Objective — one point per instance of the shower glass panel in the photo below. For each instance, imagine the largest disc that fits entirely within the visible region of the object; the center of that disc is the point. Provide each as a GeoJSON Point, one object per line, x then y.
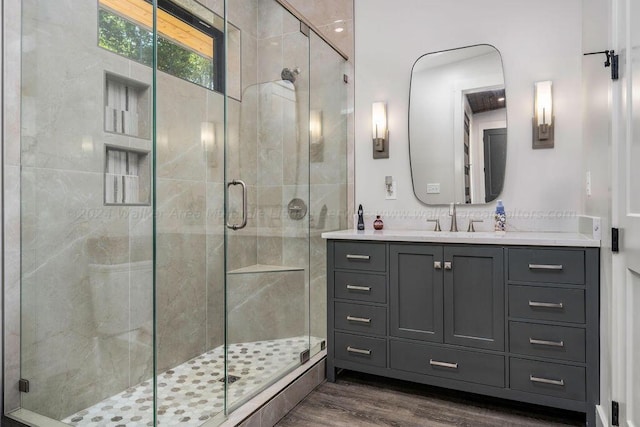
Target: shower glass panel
{"type": "Point", "coordinates": [189, 218]}
{"type": "Point", "coordinates": [328, 171]}
{"type": "Point", "coordinates": [87, 308]}
{"type": "Point", "coordinates": [267, 178]}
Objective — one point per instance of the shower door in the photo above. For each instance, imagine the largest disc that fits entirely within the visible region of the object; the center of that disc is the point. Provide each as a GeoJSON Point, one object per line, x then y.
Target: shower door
{"type": "Point", "coordinates": [267, 209]}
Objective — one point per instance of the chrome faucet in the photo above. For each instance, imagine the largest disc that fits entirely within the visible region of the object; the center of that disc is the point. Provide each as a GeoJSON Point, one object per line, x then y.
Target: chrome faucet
{"type": "Point", "coordinates": [471, 228]}
{"type": "Point", "coordinates": [452, 214]}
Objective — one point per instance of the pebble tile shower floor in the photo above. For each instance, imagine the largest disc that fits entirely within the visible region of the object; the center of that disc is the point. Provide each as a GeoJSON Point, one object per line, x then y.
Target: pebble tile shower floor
{"type": "Point", "coordinates": [192, 393]}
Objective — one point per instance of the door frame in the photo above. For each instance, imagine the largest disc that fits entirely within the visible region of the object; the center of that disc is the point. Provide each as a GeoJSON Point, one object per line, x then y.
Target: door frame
{"type": "Point", "coordinates": [625, 263]}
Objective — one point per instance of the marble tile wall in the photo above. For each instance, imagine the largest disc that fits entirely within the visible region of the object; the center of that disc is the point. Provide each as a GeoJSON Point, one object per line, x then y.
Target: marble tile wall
{"type": "Point", "coordinates": [266, 305]}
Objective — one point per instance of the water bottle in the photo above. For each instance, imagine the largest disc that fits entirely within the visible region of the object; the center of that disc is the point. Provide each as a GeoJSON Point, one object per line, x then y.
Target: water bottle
{"type": "Point", "coordinates": [500, 217]}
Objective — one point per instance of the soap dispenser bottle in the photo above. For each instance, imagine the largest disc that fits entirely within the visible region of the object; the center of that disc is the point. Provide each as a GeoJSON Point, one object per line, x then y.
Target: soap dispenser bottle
{"type": "Point", "coordinates": [360, 218]}
{"type": "Point", "coordinates": [500, 218]}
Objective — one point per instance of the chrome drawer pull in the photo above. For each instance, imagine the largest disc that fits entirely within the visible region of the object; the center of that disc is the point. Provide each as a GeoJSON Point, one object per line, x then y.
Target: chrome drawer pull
{"type": "Point", "coordinates": [359, 288]}
{"type": "Point", "coordinates": [549, 343]}
{"type": "Point", "coordinates": [358, 319]}
{"type": "Point", "coordinates": [448, 265]}
{"type": "Point", "coordinates": [443, 364]}
{"type": "Point", "coordinates": [437, 265]}
{"type": "Point", "coordinates": [363, 257]}
{"type": "Point", "coordinates": [358, 351]}
{"type": "Point", "coordinates": [546, 304]}
{"type": "Point", "coordinates": [546, 381]}
{"type": "Point", "coordinates": [545, 266]}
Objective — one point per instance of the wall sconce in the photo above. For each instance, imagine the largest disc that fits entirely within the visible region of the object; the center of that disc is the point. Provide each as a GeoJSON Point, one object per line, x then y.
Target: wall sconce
{"type": "Point", "coordinates": [316, 140]}
{"type": "Point", "coordinates": [380, 130]}
{"type": "Point", "coordinates": [208, 140]}
{"type": "Point", "coordinates": [87, 144]}
{"type": "Point", "coordinates": [543, 115]}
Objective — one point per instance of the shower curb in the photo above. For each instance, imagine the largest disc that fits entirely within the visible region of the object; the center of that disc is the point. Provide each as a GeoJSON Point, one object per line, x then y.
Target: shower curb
{"type": "Point", "coordinates": [270, 406]}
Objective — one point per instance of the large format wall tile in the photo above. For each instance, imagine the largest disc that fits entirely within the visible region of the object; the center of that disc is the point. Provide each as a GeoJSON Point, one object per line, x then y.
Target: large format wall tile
{"type": "Point", "coordinates": [181, 111]}
{"type": "Point", "coordinates": [244, 15]}
{"type": "Point", "coordinates": [266, 305]}
{"type": "Point", "coordinates": [181, 297]}
{"type": "Point", "coordinates": [62, 123]}
{"type": "Point", "coordinates": [249, 61]}
{"type": "Point", "coordinates": [215, 274]}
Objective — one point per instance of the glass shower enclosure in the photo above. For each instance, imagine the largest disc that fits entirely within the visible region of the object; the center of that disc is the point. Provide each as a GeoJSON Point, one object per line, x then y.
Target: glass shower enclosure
{"type": "Point", "coordinates": [179, 161]}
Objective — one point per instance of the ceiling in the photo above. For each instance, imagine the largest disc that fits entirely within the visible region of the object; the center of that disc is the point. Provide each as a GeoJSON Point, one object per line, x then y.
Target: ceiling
{"type": "Point", "coordinates": [489, 100]}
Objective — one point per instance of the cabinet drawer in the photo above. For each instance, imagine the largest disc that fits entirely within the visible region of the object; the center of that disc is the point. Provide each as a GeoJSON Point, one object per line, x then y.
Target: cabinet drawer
{"type": "Point", "coordinates": [552, 379]}
{"type": "Point", "coordinates": [360, 256]}
{"type": "Point", "coordinates": [455, 364]}
{"type": "Point", "coordinates": [535, 302]}
{"type": "Point", "coordinates": [360, 318]}
{"type": "Point", "coordinates": [360, 287]}
{"type": "Point", "coordinates": [557, 342]}
{"type": "Point", "coordinates": [365, 350]}
{"type": "Point", "coordinates": [547, 265]}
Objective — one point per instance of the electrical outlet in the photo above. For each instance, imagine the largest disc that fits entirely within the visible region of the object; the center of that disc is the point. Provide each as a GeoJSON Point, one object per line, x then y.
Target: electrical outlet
{"type": "Point", "coordinates": [392, 193]}
{"type": "Point", "coordinates": [433, 188]}
{"type": "Point", "coordinates": [588, 189]}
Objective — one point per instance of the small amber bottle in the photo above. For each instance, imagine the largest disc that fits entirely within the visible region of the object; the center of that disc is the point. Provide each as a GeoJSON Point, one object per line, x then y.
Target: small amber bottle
{"type": "Point", "coordinates": [378, 224]}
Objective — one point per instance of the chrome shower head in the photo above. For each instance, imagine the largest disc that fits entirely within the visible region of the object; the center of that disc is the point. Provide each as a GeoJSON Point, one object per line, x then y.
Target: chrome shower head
{"type": "Point", "coordinates": [290, 74]}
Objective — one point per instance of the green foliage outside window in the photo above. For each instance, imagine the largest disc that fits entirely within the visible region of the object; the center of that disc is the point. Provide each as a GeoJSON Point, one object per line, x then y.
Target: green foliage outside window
{"type": "Point", "coordinates": [132, 41]}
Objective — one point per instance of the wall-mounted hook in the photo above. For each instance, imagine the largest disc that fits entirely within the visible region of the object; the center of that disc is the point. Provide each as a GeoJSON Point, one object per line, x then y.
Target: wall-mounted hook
{"type": "Point", "coordinates": [611, 61]}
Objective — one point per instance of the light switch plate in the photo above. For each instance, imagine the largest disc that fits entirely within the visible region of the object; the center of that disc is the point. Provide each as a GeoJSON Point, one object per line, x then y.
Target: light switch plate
{"type": "Point", "coordinates": [588, 182]}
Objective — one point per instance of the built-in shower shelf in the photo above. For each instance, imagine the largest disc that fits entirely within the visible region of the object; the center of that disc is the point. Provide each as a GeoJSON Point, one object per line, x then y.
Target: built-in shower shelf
{"type": "Point", "coordinates": [263, 268]}
{"type": "Point", "coordinates": [127, 178]}
{"type": "Point", "coordinates": [126, 106]}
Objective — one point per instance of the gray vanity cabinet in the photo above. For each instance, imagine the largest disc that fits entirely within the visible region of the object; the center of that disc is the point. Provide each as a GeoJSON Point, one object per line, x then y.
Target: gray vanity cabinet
{"type": "Point", "coordinates": [452, 294]}
{"type": "Point", "coordinates": [474, 296]}
{"type": "Point", "coordinates": [514, 322]}
{"type": "Point", "coordinates": [416, 293]}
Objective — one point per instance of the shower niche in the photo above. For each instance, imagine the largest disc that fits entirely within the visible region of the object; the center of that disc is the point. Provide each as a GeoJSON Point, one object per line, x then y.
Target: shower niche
{"type": "Point", "coordinates": [126, 176]}
{"type": "Point", "coordinates": [126, 106]}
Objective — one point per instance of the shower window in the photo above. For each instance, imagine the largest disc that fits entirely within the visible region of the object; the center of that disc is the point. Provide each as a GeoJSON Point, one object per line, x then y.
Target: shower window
{"type": "Point", "coordinates": [188, 47]}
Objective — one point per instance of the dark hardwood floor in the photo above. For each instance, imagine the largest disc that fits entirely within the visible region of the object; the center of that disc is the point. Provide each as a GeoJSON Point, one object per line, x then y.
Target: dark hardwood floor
{"type": "Point", "coordinates": [366, 400]}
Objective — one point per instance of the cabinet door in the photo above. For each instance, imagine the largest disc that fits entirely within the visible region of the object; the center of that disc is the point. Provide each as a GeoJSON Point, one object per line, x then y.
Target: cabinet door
{"type": "Point", "coordinates": [474, 297]}
{"type": "Point", "coordinates": [416, 292]}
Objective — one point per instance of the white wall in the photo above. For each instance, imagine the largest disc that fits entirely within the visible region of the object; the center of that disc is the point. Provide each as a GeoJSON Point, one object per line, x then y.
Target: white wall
{"type": "Point", "coordinates": [538, 41]}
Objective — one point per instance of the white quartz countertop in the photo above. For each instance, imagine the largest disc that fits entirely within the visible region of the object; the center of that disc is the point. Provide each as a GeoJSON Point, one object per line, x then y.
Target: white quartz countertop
{"type": "Point", "coordinates": [533, 238]}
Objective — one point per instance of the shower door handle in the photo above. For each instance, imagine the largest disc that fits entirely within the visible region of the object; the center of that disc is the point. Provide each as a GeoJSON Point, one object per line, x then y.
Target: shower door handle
{"type": "Point", "coordinates": [243, 224]}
